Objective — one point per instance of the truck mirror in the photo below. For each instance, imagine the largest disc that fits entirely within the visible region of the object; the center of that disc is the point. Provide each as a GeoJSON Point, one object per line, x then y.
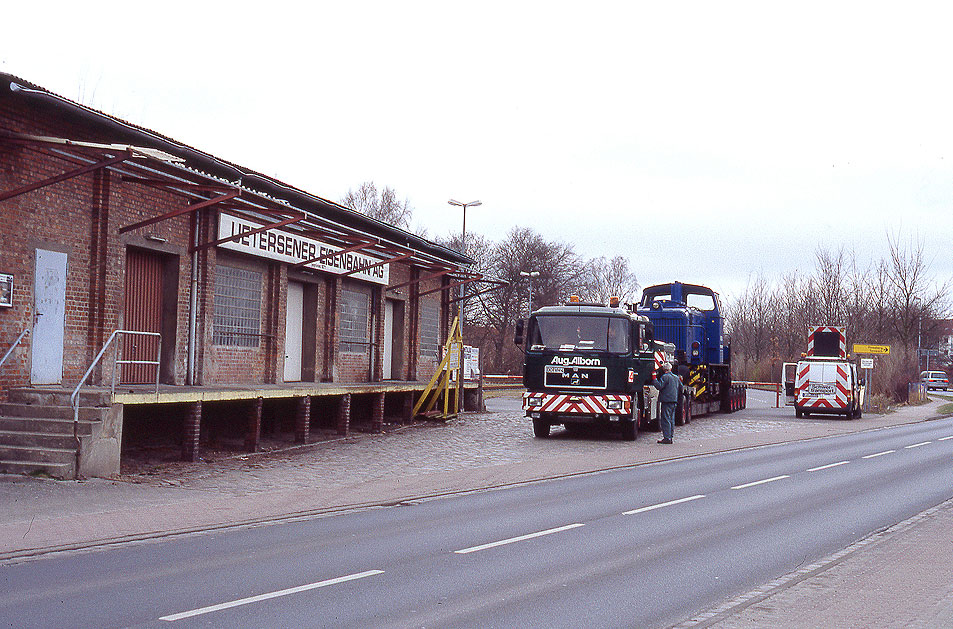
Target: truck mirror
{"type": "Point", "coordinates": [520, 325]}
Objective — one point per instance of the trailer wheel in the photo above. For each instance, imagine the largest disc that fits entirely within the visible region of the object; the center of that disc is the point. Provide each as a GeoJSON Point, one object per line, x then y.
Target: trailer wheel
{"type": "Point", "coordinates": [541, 428]}
{"type": "Point", "coordinates": [680, 412]}
{"type": "Point", "coordinates": [688, 410]}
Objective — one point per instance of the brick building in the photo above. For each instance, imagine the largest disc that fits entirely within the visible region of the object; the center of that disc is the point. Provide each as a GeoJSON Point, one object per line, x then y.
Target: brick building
{"type": "Point", "coordinates": [223, 281]}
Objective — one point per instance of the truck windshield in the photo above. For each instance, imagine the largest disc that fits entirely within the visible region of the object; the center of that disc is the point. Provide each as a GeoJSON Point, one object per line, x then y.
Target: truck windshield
{"type": "Point", "coordinates": [570, 332]}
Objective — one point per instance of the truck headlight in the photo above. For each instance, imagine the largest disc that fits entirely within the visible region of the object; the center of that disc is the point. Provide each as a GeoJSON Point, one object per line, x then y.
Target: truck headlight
{"type": "Point", "coordinates": [535, 401]}
{"type": "Point", "coordinates": [614, 405]}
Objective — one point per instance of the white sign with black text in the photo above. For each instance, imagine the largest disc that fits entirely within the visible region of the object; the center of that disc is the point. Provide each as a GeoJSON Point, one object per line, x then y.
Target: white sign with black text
{"type": "Point", "coordinates": [294, 248]}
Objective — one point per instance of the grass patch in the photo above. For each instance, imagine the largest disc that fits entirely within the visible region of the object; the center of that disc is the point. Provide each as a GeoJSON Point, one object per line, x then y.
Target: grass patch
{"type": "Point", "coordinates": [946, 409]}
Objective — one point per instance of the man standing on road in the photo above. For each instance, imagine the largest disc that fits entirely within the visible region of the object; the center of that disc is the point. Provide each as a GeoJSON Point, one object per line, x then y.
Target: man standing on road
{"type": "Point", "coordinates": [669, 387]}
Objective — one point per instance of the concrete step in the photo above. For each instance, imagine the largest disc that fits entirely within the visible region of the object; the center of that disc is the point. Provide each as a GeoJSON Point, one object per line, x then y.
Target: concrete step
{"type": "Point", "coordinates": [37, 439]}
{"type": "Point", "coordinates": [19, 409]}
{"type": "Point", "coordinates": [56, 470]}
{"type": "Point", "coordinates": [45, 425]}
{"type": "Point", "coordinates": [37, 454]}
{"type": "Point", "coordinates": [58, 396]}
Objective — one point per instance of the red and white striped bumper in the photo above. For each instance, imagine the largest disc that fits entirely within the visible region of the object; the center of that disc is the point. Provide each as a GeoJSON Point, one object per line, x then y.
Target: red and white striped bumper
{"type": "Point", "coordinates": [567, 403]}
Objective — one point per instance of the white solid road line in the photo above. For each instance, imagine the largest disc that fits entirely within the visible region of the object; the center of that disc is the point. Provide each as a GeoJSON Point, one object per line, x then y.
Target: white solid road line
{"type": "Point", "coordinates": [873, 456]}
{"type": "Point", "coordinates": [511, 540]}
{"type": "Point", "coordinates": [761, 482]}
{"type": "Point", "coordinates": [264, 597]}
{"type": "Point", "coordinates": [664, 504]}
{"type": "Point", "coordinates": [830, 465]}
{"type": "Point", "coordinates": [917, 445]}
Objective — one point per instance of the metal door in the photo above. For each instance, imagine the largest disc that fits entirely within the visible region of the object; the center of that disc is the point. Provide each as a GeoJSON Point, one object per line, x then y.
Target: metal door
{"type": "Point", "coordinates": [788, 377]}
{"type": "Point", "coordinates": [49, 318]}
{"type": "Point", "coordinates": [143, 313]}
{"type": "Point", "coordinates": [388, 339]}
{"type": "Point", "coordinates": [294, 316]}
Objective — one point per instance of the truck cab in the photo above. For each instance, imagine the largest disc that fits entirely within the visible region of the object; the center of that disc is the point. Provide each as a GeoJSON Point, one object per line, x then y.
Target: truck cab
{"type": "Point", "coordinates": [586, 363]}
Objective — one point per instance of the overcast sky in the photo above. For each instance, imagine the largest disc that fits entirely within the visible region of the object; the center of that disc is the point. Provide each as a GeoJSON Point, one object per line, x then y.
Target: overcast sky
{"type": "Point", "coordinates": [705, 141]}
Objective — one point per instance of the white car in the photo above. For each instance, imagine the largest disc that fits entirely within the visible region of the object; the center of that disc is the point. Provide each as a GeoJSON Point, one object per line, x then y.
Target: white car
{"type": "Point", "coordinates": [935, 380]}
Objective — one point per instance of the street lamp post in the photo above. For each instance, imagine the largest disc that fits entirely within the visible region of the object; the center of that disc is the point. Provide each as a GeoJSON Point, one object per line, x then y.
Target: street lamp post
{"type": "Point", "coordinates": [463, 248]}
{"type": "Point", "coordinates": [916, 302]}
{"type": "Point", "coordinates": [530, 275]}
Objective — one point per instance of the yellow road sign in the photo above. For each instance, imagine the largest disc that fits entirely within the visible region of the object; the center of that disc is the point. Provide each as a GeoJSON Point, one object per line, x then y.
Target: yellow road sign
{"type": "Point", "coordinates": [871, 349]}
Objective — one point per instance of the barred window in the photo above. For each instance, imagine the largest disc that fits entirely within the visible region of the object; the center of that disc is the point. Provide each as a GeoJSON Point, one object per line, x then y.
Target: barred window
{"type": "Point", "coordinates": [429, 329]}
{"type": "Point", "coordinates": [237, 307]}
{"type": "Point", "coordinates": [352, 321]}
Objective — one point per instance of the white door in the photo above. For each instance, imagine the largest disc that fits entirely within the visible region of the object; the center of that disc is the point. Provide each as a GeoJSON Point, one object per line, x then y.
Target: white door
{"type": "Point", "coordinates": [294, 315]}
{"type": "Point", "coordinates": [49, 318]}
{"type": "Point", "coordinates": [388, 339]}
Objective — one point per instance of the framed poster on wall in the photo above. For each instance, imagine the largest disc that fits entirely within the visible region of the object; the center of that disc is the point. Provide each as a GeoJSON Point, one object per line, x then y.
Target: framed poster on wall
{"type": "Point", "coordinates": [6, 290]}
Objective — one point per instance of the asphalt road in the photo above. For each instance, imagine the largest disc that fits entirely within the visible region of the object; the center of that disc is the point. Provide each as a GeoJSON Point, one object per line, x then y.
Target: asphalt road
{"type": "Point", "coordinates": [644, 546]}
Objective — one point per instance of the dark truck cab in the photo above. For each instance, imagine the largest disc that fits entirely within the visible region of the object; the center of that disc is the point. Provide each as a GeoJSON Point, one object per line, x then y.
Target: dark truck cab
{"type": "Point", "coordinates": [587, 363]}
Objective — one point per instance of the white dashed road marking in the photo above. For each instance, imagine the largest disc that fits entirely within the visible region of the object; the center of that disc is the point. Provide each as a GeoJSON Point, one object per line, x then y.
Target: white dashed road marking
{"type": "Point", "coordinates": [917, 445]}
{"type": "Point", "coordinates": [664, 504]}
{"type": "Point", "coordinates": [761, 482]}
{"type": "Point", "coordinates": [872, 456]}
{"type": "Point", "coordinates": [270, 595]}
{"type": "Point", "coordinates": [828, 466]}
{"type": "Point", "coordinates": [511, 540]}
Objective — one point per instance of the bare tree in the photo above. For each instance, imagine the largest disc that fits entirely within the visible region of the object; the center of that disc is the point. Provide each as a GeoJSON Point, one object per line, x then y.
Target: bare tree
{"type": "Point", "coordinates": [608, 278]}
{"type": "Point", "coordinates": [560, 272]}
{"type": "Point", "coordinates": [385, 206]}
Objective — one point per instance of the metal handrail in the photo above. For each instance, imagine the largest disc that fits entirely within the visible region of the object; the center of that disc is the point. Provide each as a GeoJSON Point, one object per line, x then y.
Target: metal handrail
{"type": "Point", "coordinates": [12, 347]}
{"type": "Point", "coordinates": [74, 398]}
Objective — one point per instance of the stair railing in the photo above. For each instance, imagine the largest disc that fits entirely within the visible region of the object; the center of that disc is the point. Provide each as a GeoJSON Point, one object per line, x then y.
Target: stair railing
{"type": "Point", "coordinates": [74, 398]}
{"type": "Point", "coordinates": [13, 347]}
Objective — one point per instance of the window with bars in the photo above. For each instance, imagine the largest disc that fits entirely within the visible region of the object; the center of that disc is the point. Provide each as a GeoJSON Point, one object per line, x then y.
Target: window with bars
{"type": "Point", "coordinates": [237, 307]}
{"type": "Point", "coordinates": [353, 321]}
{"type": "Point", "coordinates": [430, 329]}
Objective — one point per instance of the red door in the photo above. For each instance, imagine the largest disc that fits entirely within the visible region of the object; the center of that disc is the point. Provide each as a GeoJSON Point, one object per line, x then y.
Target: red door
{"type": "Point", "coordinates": [143, 313]}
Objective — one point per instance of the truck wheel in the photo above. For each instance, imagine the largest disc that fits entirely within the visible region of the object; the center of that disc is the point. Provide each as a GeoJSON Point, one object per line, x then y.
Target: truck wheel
{"type": "Point", "coordinates": [629, 429]}
{"type": "Point", "coordinates": [798, 412]}
{"type": "Point", "coordinates": [688, 411]}
{"type": "Point", "coordinates": [680, 413]}
{"type": "Point", "coordinates": [541, 428]}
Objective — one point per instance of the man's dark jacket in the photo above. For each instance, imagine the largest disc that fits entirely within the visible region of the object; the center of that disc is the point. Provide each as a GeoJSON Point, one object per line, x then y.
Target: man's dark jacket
{"type": "Point", "coordinates": [669, 387]}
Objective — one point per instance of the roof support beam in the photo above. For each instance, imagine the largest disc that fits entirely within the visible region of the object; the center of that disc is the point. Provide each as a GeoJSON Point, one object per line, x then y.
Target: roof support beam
{"type": "Point", "coordinates": [421, 279]}
{"type": "Point", "coordinates": [363, 245]}
{"type": "Point", "coordinates": [381, 263]}
{"type": "Point", "coordinates": [191, 208]}
{"type": "Point", "coordinates": [9, 194]}
{"type": "Point", "coordinates": [477, 294]}
{"type": "Point", "coordinates": [293, 219]}
{"type": "Point", "coordinates": [452, 285]}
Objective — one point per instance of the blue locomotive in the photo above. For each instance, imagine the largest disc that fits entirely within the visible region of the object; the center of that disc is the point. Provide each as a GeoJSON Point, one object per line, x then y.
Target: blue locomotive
{"type": "Point", "coordinates": [691, 318]}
